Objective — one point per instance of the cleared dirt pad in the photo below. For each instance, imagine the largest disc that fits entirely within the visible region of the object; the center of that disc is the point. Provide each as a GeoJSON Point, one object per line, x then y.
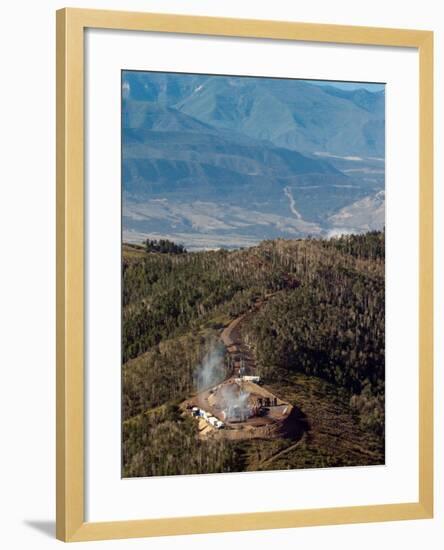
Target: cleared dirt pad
{"type": "Point", "coordinates": [265, 421]}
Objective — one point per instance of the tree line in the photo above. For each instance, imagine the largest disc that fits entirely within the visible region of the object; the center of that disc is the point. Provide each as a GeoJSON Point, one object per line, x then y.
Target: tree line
{"type": "Point", "coordinates": [164, 246]}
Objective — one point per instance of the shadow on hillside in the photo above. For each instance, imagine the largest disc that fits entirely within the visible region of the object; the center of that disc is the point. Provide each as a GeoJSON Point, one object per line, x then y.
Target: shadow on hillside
{"type": "Point", "coordinates": [295, 425]}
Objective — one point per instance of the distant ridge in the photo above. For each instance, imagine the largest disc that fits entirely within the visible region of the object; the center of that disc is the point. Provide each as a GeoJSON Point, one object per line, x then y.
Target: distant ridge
{"type": "Point", "coordinates": [232, 160]}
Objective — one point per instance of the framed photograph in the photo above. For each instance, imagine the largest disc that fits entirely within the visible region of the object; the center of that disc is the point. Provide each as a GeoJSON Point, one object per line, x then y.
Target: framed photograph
{"type": "Point", "coordinates": [244, 274]}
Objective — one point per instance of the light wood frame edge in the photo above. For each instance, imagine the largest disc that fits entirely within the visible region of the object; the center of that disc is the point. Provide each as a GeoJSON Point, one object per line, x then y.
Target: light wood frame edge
{"type": "Point", "coordinates": [70, 285]}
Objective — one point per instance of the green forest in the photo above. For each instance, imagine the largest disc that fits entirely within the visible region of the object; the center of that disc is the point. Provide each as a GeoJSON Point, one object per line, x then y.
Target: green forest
{"type": "Point", "coordinates": [318, 339]}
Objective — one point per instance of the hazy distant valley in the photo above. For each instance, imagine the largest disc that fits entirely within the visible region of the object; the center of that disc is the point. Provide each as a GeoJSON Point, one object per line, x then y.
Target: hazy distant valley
{"type": "Point", "coordinates": [227, 162]}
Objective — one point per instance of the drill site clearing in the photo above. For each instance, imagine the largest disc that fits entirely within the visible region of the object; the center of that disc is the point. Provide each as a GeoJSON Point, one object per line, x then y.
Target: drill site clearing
{"type": "Point", "coordinates": [239, 408]}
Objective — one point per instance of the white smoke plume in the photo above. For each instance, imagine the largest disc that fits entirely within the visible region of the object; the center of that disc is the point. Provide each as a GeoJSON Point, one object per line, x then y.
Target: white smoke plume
{"type": "Point", "coordinates": [234, 396]}
{"type": "Point", "coordinates": [212, 369]}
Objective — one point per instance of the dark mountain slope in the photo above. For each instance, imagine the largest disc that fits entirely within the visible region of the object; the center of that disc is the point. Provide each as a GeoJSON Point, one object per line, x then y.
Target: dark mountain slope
{"type": "Point", "coordinates": [290, 113]}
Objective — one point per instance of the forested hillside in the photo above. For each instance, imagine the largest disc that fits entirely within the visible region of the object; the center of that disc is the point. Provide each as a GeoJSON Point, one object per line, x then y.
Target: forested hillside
{"type": "Point", "coordinates": [319, 329]}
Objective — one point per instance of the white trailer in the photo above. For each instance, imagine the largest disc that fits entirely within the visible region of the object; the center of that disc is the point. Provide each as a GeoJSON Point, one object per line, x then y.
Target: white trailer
{"type": "Point", "coordinates": [212, 420]}
{"type": "Point", "coordinates": [208, 417]}
{"type": "Point", "coordinates": [255, 379]}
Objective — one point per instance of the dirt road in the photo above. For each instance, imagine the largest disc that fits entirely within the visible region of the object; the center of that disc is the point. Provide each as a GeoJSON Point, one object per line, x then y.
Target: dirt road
{"type": "Point", "coordinates": [242, 357]}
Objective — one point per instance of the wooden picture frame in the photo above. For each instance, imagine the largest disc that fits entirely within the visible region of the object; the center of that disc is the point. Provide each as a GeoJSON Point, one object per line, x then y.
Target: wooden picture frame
{"type": "Point", "coordinates": [71, 24]}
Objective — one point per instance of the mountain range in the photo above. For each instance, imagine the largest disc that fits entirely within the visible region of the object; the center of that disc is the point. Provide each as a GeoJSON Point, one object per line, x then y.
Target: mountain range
{"type": "Point", "coordinates": [219, 161]}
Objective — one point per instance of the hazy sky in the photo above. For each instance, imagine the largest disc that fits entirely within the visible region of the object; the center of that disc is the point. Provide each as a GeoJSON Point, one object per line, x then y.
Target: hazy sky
{"type": "Point", "coordinates": [350, 85]}
{"type": "Point", "coordinates": [342, 85]}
